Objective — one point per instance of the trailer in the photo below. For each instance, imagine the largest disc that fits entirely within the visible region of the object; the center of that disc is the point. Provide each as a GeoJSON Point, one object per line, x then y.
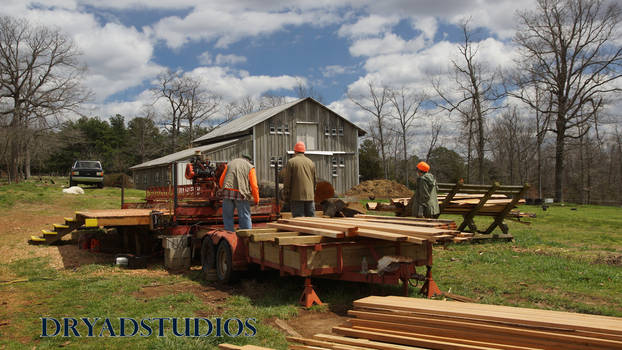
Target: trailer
{"type": "Point", "coordinates": [195, 212]}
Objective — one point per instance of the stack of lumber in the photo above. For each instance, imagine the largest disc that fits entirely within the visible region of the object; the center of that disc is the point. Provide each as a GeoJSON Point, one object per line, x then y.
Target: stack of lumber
{"type": "Point", "coordinates": [401, 323]}
{"type": "Point", "coordinates": [459, 204]}
{"type": "Point", "coordinates": [414, 231]}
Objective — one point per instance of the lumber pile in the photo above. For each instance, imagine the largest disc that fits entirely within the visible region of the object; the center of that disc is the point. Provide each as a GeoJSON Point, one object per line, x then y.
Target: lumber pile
{"type": "Point", "coordinates": [459, 204]}
{"type": "Point", "coordinates": [389, 229]}
{"type": "Point", "coordinates": [403, 323]}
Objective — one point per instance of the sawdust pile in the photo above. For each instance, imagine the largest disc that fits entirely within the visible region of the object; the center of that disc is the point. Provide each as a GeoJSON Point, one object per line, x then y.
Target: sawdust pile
{"type": "Point", "coordinates": [379, 189]}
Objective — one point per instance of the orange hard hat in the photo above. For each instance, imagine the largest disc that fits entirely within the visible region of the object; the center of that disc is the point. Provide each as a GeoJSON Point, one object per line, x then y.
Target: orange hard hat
{"type": "Point", "coordinates": [423, 166]}
{"type": "Point", "coordinates": [300, 147]}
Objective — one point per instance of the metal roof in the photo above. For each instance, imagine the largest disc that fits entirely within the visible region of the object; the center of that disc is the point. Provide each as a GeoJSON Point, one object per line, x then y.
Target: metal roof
{"type": "Point", "coordinates": [246, 122]}
{"type": "Point", "coordinates": [181, 155]}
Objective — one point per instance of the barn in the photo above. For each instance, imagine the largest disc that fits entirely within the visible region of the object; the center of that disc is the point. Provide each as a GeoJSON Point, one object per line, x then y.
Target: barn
{"type": "Point", "coordinates": [269, 137]}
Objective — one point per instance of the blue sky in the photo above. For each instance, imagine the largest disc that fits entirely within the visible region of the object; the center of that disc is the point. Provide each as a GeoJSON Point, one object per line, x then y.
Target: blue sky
{"type": "Point", "coordinates": [249, 48]}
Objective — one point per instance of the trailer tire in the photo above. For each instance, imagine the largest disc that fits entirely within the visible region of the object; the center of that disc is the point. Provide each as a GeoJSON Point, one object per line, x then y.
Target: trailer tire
{"type": "Point", "coordinates": [208, 259]}
{"type": "Point", "coordinates": [224, 262]}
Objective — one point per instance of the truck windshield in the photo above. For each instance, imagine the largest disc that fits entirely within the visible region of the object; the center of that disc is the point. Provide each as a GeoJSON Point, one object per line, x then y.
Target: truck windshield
{"type": "Point", "coordinates": [90, 165]}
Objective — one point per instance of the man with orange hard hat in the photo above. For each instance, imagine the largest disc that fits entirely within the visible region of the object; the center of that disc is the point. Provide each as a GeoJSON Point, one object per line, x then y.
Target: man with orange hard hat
{"type": "Point", "coordinates": [425, 201]}
{"type": "Point", "coordinates": [299, 182]}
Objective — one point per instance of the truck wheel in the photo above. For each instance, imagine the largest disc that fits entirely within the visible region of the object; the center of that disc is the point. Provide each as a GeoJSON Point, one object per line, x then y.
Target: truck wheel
{"type": "Point", "coordinates": [208, 259]}
{"type": "Point", "coordinates": [100, 185]}
{"type": "Point", "coordinates": [224, 262]}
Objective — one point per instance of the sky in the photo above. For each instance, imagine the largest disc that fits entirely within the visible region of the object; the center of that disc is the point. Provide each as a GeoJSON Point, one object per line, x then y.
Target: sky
{"type": "Point", "coordinates": [249, 48]}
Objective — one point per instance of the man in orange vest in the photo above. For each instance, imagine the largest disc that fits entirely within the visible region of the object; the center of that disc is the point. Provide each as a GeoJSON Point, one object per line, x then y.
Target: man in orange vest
{"type": "Point", "coordinates": [239, 184]}
{"type": "Point", "coordinates": [299, 183]}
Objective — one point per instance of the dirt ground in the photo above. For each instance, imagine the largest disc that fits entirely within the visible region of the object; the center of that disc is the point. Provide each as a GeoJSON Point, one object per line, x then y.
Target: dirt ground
{"type": "Point", "coordinates": [22, 222]}
{"type": "Point", "coordinates": [379, 189]}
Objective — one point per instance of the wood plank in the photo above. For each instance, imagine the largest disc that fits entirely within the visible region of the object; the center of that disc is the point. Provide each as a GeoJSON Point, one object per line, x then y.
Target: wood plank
{"type": "Point", "coordinates": [349, 229]}
{"type": "Point", "coordinates": [379, 335]}
{"type": "Point", "coordinates": [387, 236]}
{"type": "Point", "coordinates": [520, 316]}
{"type": "Point", "coordinates": [393, 228]}
{"type": "Point", "coordinates": [323, 343]}
{"type": "Point", "coordinates": [309, 230]}
{"type": "Point", "coordinates": [270, 236]}
{"type": "Point", "coordinates": [247, 232]}
{"type": "Point", "coordinates": [509, 340]}
{"type": "Point", "coordinates": [365, 343]}
{"type": "Point", "coordinates": [306, 239]}
{"type": "Point", "coordinates": [571, 340]}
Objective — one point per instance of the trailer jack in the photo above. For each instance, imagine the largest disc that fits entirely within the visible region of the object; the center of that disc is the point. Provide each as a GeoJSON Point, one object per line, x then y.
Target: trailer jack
{"type": "Point", "coordinates": [308, 297]}
{"type": "Point", "coordinates": [430, 288]}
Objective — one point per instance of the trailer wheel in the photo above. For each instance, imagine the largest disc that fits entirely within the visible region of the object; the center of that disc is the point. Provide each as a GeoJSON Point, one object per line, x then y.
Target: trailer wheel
{"type": "Point", "coordinates": [208, 258]}
{"type": "Point", "coordinates": [224, 262]}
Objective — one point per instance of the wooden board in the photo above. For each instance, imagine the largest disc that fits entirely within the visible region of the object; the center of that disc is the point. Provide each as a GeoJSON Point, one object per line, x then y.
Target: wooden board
{"type": "Point", "coordinates": [301, 240]}
{"type": "Point", "coordinates": [309, 230]}
{"type": "Point", "coordinates": [270, 236]}
{"type": "Point", "coordinates": [534, 317]}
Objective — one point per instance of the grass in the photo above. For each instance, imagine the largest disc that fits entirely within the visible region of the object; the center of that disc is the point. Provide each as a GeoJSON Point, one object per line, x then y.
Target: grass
{"type": "Point", "coordinates": [568, 260]}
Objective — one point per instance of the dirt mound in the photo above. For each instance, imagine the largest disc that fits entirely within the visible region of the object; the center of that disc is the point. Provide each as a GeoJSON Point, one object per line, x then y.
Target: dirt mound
{"type": "Point", "coordinates": [379, 189]}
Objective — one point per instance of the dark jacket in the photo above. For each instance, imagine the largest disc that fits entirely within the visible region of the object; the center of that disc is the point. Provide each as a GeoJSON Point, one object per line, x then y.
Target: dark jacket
{"type": "Point", "coordinates": [425, 199]}
{"type": "Point", "coordinates": [299, 180]}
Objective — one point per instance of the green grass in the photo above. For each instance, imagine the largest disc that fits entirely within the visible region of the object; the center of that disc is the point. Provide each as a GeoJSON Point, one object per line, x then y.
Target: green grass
{"type": "Point", "coordinates": [568, 260]}
{"type": "Point", "coordinates": [34, 192]}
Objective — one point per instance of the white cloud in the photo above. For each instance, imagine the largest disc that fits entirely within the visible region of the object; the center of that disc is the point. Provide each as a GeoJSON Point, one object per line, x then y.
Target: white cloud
{"type": "Point", "coordinates": [372, 25]}
{"type": "Point", "coordinates": [235, 85]}
{"type": "Point", "coordinates": [118, 58]}
{"type": "Point", "coordinates": [335, 70]}
{"type": "Point", "coordinates": [223, 60]}
{"type": "Point", "coordinates": [390, 43]}
{"type": "Point", "coordinates": [205, 58]}
{"type": "Point", "coordinates": [427, 25]}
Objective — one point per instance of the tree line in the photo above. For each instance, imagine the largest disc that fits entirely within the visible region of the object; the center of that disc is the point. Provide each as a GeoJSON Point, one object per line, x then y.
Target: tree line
{"type": "Point", "coordinates": [545, 120]}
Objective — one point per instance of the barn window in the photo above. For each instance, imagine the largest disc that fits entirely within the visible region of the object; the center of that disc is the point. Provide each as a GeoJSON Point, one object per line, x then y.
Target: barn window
{"type": "Point", "coordinates": [327, 130]}
{"type": "Point", "coordinates": [341, 131]}
{"type": "Point", "coordinates": [272, 128]}
{"type": "Point", "coordinates": [279, 129]}
{"type": "Point", "coordinates": [335, 172]}
{"type": "Point", "coordinates": [342, 162]}
{"type": "Point", "coordinates": [334, 133]}
{"type": "Point", "coordinates": [272, 162]}
{"type": "Point", "coordinates": [286, 129]}
{"type": "Point", "coordinates": [334, 161]}
{"type": "Point", "coordinates": [280, 162]}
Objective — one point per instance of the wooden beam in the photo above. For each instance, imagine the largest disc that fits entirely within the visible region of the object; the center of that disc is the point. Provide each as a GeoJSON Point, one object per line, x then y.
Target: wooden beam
{"type": "Point", "coordinates": [249, 231]}
{"type": "Point", "coordinates": [322, 223]}
{"type": "Point", "coordinates": [293, 240]}
{"type": "Point", "coordinates": [309, 230]}
{"type": "Point", "coordinates": [364, 343]}
{"type": "Point", "coordinates": [270, 236]}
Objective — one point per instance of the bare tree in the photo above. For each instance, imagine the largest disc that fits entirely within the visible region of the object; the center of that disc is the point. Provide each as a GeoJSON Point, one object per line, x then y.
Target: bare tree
{"type": "Point", "coordinates": [172, 88]}
{"type": "Point", "coordinates": [476, 88]}
{"type": "Point", "coordinates": [435, 128]}
{"type": "Point", "coordinates": [199, 105]}
{"type": "Point", "coordinates": [374, 102]}
{"type": "Point", "coordinates": [568, 47]}
{"type": "Point", "coordinates": [269, 100]}
{"type": "Point", "coordinates": [406, 104]}
{"type": "Point", "coordinates": [303, 90]}
{"type": "Point", "coordinates": [39, 81]}
{"type": "Point", "coordinates": [247, 106]}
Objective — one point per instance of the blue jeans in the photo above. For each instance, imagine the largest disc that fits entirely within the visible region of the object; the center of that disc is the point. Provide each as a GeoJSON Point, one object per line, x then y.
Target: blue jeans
{"type": "Point", "coordinates": [302, 208]}
{"type": "Point", "coordinates": [244, 213]}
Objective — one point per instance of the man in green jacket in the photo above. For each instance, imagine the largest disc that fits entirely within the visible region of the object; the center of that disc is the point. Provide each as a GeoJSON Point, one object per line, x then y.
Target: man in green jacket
{"type": "Point", "coordinates": [425, 199]}
{"type": "Point", "coordinates": [299, 183]}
